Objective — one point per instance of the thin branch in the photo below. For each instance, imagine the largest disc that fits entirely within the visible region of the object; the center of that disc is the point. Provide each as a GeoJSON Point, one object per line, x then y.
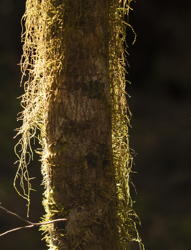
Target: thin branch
{"type": "Point", "coordinates": [15, 229]}
{"type": "Point", "coordinates": [38, 224]}
{"type": "Point", "coordinates": [14, 214]}
{"type": "Point", "coordinates": [31, 224]}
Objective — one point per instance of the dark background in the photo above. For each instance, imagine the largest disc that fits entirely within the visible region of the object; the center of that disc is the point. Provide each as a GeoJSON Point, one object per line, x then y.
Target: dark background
{"type": "Point", "coordinates": [160, 102]}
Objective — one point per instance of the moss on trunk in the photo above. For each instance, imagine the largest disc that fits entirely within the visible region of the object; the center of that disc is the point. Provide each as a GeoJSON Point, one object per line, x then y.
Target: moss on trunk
{"type": "Point", "coordinates": [75, 95]}
{"type": "Point", "coordinates": [78, 135]}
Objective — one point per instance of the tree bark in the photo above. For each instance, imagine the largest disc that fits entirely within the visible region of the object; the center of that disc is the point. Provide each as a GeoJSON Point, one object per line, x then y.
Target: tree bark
{"type": "Point", "coordinates": [73, 72]}
{"type": "Point", "coordinates": [78, 165]}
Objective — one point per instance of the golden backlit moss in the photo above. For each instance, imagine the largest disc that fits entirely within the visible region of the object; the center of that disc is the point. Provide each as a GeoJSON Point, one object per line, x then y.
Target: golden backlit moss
{"type": "Point", "coordinates": [42, 62]}
{"type": "Point", "coordinates": [120, 122]}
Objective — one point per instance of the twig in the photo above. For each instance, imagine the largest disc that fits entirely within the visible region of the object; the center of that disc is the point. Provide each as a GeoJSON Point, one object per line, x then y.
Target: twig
{"type": "Point", "coordinates": [31, 224]}
{"type": "Point", "coordinates": [14, 214]}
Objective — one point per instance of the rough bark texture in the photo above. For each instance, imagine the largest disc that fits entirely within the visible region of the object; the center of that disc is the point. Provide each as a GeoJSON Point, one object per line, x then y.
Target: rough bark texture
{"type": "Point", "coordinates": [74, 65]}
{"type": "Point", "coordinates": [79, 171]}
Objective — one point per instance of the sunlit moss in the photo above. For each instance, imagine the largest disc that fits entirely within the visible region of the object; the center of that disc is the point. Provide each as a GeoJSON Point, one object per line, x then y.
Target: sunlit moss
{"type": "Point", "coordinates": [120, 122]}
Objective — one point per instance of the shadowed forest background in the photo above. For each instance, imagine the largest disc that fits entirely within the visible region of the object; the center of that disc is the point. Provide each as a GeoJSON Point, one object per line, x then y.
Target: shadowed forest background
{"type": "Point", "coordinates": [160, 72]}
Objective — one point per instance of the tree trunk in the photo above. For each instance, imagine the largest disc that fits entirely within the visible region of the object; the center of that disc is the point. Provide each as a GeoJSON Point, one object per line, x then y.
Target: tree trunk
{"type": "Point", "coordinates": [73, 62]}
{"type": "Point", "coordinates": [78, 167]}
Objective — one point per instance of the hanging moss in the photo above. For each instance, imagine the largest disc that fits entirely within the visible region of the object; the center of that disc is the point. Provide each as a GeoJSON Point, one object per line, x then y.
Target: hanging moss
{"type": "Point", "coordinates": [45, 38]}
{"type": "Point", "coordinates": [120, 122]}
